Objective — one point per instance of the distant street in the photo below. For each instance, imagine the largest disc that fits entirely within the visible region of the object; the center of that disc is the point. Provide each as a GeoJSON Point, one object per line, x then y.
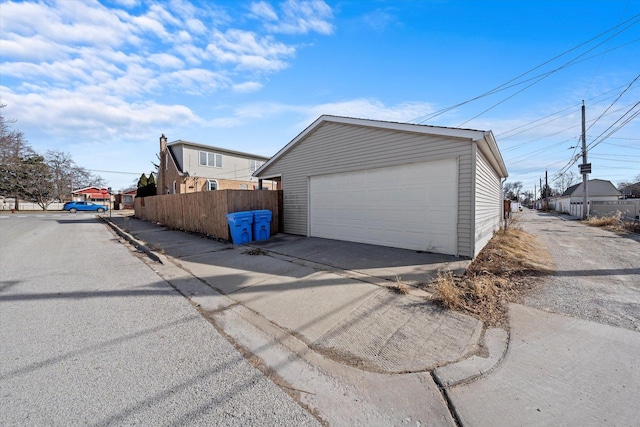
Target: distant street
{"type": "Point", "coordinates": [90, 335]}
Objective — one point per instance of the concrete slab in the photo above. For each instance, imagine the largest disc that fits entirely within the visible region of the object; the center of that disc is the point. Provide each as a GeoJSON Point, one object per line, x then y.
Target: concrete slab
{"type": "Point", "coordinates": [201, 295]}
{"type": "Point", "coordinates": [558, 370]}
{"type": "Point", "coordinates": [341, 395]}
{"type": "Point", "coordinates": [330, 294]}
{"type": "Point", "coordinates": [378, 261]}
{"type": "Point", "coordinates": [297, 246]}
{"type": "Point", "coordinates": [391, 332]}
{"type": "Point", "coordinates": [133, 225]}
{"type": "Point", "coordinates": [495, 345]}
{"type": "Point", "coordinates": [232, 270]}
{"type": "Point", "coordinates": [309, 306]}
{"type": "Point", "coordinates": [195, 246]}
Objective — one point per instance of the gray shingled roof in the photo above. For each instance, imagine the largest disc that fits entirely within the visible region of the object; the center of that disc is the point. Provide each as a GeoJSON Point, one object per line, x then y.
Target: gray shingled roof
{"type": "Point", "coordinates": [597, 187]}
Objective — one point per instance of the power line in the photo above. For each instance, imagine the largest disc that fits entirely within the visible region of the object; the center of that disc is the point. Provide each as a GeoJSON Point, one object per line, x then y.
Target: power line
{"type": "Point", "coordinates": [565, 65]}
{"type": "Point", "coordinates": [600, 137]}
{"type": "Point", "coordinates": [504, 86]}
{"type": "Point", "coordinates": [124, 173]}
{"type": "Point", "coordinates": [614, 101]}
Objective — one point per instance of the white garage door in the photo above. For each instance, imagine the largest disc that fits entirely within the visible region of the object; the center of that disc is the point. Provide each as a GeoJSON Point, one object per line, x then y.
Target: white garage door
{"type": "Point", "coordinates": [411, 206]}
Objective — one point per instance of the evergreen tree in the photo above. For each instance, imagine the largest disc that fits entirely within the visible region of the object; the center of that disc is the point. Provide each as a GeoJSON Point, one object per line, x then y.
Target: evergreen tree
{"type": "Point", "coordinates": [143, 181]}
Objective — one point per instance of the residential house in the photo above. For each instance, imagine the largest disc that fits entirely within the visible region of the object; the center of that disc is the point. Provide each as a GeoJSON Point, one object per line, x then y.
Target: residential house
{"type": "Point", "coordinates": [125, 199]}
{"type": "Point", "coordinates": [92, 194]}
{"type": "Point", "coordinates": [187, 167]}
{"type": "Point", "coordinates": [418, 187]}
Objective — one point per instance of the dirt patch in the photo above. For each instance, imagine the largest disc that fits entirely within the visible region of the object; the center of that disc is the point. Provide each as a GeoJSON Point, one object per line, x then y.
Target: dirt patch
{"type": "Point", "coordinates": [254, 252]}
{"type": "Point", "coordinates": [501, 273]}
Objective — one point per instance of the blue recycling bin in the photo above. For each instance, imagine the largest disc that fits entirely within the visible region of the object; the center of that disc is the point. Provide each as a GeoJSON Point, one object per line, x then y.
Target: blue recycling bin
{"type": "Point", "coordinates": [261, 224]}
{"type": "Point", "coordinates": [240, 226]}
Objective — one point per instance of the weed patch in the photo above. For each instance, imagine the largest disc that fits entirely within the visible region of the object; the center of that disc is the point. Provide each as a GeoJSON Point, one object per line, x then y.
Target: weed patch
{"type": "Point", "coordinates": [400, 287]}
{"type": "Point", "coordinates": [613, 223]}
{"type": "Point", "coordinates": [500, 274]}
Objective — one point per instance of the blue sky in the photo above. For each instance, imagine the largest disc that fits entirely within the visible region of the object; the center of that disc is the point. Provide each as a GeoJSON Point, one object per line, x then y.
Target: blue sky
{"type": "Point", "coordinates": [103, 79]}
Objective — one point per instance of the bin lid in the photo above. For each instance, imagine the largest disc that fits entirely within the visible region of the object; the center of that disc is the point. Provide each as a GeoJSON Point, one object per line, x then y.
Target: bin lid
{"type": "Point", "coordinates": [240, 215]}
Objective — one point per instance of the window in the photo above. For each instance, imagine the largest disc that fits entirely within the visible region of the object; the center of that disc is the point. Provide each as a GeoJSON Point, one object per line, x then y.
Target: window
{"type": "Point", "coordinates": [212, 184]}
{"type": "Point", "coordinates": [166, 161]}
{"type": "Point", "coordinates": [254, 165]}
{"type": "Point", "coordinates": [210, 159]}
{"type": "Point", "coordinates": [174, 187]}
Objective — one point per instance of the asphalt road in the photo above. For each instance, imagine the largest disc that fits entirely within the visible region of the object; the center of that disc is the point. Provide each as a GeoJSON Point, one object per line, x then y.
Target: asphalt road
{"type": "Point", "coordinates": [90, 335]}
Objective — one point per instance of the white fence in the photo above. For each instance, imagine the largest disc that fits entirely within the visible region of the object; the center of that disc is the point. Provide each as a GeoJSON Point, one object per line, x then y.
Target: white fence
{"type": "Point", "coordinates": [7, 206]}
{"type": "Point", "coordinates": [630, 208]}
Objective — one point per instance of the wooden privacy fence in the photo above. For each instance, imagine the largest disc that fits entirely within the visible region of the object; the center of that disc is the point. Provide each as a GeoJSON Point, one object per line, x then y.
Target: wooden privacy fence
{"type": "Point", "coordinates": [205, 211]}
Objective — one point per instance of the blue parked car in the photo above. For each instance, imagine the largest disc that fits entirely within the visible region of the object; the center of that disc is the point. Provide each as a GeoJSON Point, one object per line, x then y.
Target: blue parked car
{"type": "Point", "coordinates": [84, 206]}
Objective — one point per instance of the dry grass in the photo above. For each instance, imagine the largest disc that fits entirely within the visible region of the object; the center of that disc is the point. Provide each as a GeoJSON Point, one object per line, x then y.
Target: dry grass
{"type": "Point", "coordinates": [500, 274]}
{"type": "Point", "coordinates": [613, 223]}
{"type": "Point", "coordinates": [400, 287]}
{"type": "Point", "coordinates": [604, 221]}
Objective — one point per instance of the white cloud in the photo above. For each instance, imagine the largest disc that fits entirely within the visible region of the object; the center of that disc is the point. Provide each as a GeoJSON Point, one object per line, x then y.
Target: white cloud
{"type": "Point", "coordinates": [166, 61]}
{"type": "Point", "coordinates": [297, 16]}
{"type": "Point", "coordinates": [195, 81]}
{"type": "Point", "coordinates": [306, 16]}
{"type": "Point", "coordinates": [247, 87]}
{"type": "Point", "coordinates": [263, 10]}
{"type": "Point", "coordinates": [248, 51]}
{"type": "Point", "coordinates": [380, 19]}
{"type": "Point", "coordinates": [358, 108]}
{"type": "Point", "coordinates": [91, 117]}
{"type": "Point", "coordinates": [370, 109]}
{"type": "Point", "coordinates": [127, 3]}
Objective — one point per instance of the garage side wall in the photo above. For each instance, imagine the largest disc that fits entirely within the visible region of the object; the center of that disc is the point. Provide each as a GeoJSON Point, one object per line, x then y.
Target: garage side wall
{"type": "Point", "coordinates": [487, 203]}
{"type": "Point", "coordinates": [335, 147]}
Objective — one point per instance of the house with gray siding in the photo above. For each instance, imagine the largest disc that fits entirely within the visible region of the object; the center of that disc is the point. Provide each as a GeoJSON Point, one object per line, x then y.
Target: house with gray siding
{"type": "Point", "coordinates": [188, 167]}
{"type": "Point", "coordinates": [425, 188]}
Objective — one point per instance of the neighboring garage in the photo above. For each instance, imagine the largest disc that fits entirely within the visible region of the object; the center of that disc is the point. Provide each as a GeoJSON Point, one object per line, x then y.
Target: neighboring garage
{"type": "Point", "coordinates": [402, 185]}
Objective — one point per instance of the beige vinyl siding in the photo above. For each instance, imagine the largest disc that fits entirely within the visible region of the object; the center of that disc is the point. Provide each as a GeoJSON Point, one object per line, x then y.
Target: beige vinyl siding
{"type": "Point", "coordinates": [488, 201]}
{"type": "Point", "coordinates": [233, 167]}
{"type": "Point", "coordinates": [337, 147]}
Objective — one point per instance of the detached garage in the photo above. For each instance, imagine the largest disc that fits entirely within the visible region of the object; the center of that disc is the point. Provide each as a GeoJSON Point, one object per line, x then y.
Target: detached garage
{"type": "Point", "coordinates": [402, 185]}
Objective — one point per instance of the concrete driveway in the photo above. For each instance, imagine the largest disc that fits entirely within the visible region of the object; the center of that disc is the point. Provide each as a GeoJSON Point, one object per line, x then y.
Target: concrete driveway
{"type": "Point", "coordinates": [573, 352]}
{"type": "Point", "coordinates": [333, 295]}
{"type": "Point", "coordinates": [322, 316]}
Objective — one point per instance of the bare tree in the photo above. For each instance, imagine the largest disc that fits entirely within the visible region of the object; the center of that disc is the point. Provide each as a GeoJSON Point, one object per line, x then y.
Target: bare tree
{"type": "Point", "coordinates": [35, 181]}
{"type": "Point", "coordinates": [67, 176]}
{"type": "Point", "coordinates": [630, 189]}
{"type": "Point", "coordinates": [566, 180]}
{"type": "Point", "coordinates": [511, 190]}
{"type": "Point", "coordinates": [14, 150]}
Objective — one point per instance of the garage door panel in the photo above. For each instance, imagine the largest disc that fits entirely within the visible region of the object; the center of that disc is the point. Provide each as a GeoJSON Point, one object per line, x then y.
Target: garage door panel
{"type": "Point", "coordinates": [412, 206]}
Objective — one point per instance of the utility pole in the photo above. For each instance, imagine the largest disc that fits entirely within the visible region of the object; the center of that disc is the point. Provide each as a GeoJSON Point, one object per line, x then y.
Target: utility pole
{"type": "Point", "coordinates": [541, 195]}
{"type": "Point", "coordinates": [546, 188]}
{"type": "Point", "coordinates": [535, 195]}
{"type": "Point", "coordinates": [585, 168]}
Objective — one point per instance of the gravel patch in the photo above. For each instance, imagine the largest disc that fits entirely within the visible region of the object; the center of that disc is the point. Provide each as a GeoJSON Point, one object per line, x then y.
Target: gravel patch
{"type": "Point", "coordinates": [598, 271]}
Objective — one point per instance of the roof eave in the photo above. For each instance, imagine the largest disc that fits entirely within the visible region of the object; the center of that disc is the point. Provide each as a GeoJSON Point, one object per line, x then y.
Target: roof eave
{"type": "Point", "coordinates": [469, 134]}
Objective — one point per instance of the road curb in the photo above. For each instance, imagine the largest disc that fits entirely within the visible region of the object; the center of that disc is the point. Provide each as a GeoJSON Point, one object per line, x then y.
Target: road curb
{"type": "Point", "coordinates": [496, 342]}
{"type": "Point", "coordinates": [139, 245]}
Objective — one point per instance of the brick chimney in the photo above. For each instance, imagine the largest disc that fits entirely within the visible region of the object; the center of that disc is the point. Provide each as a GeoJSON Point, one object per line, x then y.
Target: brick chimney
{"type": "Point", "coordinates": [163, 143]}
